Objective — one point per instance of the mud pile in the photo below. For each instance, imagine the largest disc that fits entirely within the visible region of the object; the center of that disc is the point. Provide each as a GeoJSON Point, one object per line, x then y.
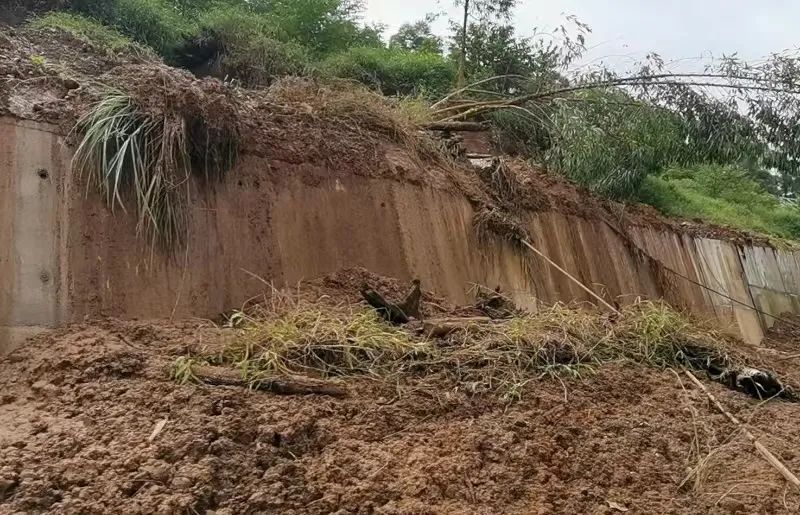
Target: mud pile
{"type": "Point", "coordinates": [81, 408]}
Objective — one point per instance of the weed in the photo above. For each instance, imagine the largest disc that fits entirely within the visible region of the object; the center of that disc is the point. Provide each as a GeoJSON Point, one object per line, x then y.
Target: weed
{"type": "Point", "coordinates": [125, 150]}
{"type": "Point", "coordinates": [89, 31]}
{"type": "Point", "coordinates": [38, 61]}
{"type": "Point", "coordinates": [182, 371]}
{"type": "Point", "coordinates": [307, 339]}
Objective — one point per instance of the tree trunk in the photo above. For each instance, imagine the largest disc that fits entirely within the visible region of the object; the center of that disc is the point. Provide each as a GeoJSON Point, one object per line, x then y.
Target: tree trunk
{"type": "Point", "coordinates": [462, 59]}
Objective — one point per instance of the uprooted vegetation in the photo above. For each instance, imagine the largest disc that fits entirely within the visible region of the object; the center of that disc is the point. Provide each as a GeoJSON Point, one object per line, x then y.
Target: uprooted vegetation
{"type": "Point", "coordinates": [148, 148]}
{"type": "Point", "coordinates": [300, 336]}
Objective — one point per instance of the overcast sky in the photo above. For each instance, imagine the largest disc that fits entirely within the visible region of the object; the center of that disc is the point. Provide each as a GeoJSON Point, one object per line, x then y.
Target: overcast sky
{"type": "Point", "coordinates": [624, 31]}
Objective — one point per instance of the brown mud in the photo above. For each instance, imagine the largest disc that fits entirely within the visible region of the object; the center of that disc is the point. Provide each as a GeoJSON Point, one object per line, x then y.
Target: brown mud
{"type": "Point", "coordinates": [80, 407]}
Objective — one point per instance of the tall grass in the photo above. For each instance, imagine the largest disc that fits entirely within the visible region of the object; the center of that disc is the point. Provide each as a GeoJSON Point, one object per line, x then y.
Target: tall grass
{"type": "Point", "coordinates": [134, 157]}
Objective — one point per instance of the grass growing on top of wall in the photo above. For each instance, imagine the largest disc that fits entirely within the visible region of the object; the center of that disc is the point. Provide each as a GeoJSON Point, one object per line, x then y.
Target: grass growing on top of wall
{"type": "Point", "coordinates": [89, 31]}
{"type": "Point", "coordinates": [722, 195]}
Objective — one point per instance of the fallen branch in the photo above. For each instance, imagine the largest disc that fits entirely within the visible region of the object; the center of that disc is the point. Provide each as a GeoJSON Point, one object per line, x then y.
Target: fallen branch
{"type": "Point", "coordinates": [571, 277]}
{"type": "Point", "coordinates": [765, 453]}
{"type": "Point", "coordinates": [283, 385]}
{"type": "Point", "coordinates": [455, 126]}
{"type": "Point", "coordinates": [441, 327]}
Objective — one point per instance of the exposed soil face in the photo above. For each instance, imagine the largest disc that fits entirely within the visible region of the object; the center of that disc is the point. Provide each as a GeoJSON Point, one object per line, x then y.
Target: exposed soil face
{"type": "Point", "coordinates": [296, 122]}
{"type": "Point", "coordinates": [79, 406]}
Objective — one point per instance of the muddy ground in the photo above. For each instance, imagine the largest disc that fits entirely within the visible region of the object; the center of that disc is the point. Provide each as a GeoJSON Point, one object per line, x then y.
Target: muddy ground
{"type": "Point", "coordinates": [78, 407]}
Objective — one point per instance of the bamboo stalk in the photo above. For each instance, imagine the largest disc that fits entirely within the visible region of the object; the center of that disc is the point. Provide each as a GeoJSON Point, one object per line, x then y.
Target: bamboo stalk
{"type": "Point", "coordinates": [765, 453]}
{"type": "Point", "coordinates": [571, 277]}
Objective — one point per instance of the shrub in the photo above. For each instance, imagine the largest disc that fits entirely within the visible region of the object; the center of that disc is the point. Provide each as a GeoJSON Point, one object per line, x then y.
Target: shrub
{"type": "Point", "coordinates": [393, 71]}
{"type": "Point", "coordinates": [245, 46]}
{"type": "Point", "coordinates": [155, 23]}
{"type": "Point", "coordinates": [87, 30]}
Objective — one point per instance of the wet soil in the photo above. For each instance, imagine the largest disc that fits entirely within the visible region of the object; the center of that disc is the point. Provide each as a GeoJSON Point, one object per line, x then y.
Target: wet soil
{"type": "Point", "coordinates": [79, 407]}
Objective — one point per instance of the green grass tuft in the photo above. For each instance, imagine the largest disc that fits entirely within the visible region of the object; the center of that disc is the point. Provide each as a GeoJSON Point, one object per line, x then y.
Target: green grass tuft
{"type": "Point", "coordinates": [89, 31]}
{"type": "Point", "coordinates": [125, 153]}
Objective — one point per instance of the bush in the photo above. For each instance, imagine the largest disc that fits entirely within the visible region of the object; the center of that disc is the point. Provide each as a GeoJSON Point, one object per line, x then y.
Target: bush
{"type": "Point", "coordinates": [393, 72]}
{"type": "Point", "coordinates": [723, 195]}
{"type": "Point", "coordinates": [155, 23]}
{"type": "Point", "coordinates": [244, 46]}
{"type": "Point", "coordinates": [87, 30]}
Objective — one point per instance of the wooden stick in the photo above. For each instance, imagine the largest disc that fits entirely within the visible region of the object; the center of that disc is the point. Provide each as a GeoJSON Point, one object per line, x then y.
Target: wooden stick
{"type": "Point", "coordinates": [576, 281]}
{"type": "Point", "coordinates": [765, 453]}
{"type": "Point", "coordinates": [455, 126]}
{"type": "Point", "coordinates": [283, 385]}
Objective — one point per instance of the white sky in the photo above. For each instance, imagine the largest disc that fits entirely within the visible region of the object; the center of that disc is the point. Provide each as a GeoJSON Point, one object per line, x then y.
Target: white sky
{"type": "Point", "coordinates": [624, 31]}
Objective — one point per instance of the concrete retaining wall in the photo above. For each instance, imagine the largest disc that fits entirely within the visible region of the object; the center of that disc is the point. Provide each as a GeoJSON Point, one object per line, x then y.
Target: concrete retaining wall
{"type": "Point", "coordinates": [64, 256]}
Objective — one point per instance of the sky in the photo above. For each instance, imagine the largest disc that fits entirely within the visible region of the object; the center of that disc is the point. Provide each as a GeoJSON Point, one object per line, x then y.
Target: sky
{"type": "Point", "coordinates": [624, 31]}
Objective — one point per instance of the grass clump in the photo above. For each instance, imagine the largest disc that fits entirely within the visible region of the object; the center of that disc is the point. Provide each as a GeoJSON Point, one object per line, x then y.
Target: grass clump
{"type": "Point", "coordinates": [308, 339]}
{"type": "Point", "coordinates": [145, 156]}
{"type": "Point", "coordinates": [125, 152]}
{"type": "Point", "coordinates": [568, 340]}
{"type": "Point", "coordinates": [500, 357]}
{"type": "Point", "coordinates": [723, 195]}
{"type": "Point", "coordinates": [89, 31]}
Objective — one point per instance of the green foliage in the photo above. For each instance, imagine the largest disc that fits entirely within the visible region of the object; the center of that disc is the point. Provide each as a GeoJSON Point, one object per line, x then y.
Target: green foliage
{"type": "Point", "coordinates": [250, 48]}
{"type": "Point", "coordinates": [123, 150]}
{"type": "Point", "coordinates": [609, 142]}
{"type": "Point", "coordinates": [723, 195]}
{"type": "Point", "coordinates": [323, 26]}
{"type": "Point", "coordinates": [518, 132]}
{"type": "Point", "coordinates": [87, 30]}
{"type": "Point", "coordinates": [416, 37]}
{"type": "Point", "coordinates": [155, 23]}
{"type": "Point", "coordinates": [394, 72]}
{"type": "Point", "coordinates": [493, 49]}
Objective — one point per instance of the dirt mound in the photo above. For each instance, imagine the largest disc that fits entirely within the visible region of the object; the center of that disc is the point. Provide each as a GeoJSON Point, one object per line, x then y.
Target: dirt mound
{"type": "Point", "coordinates": [785, 334]}
{"type": "Point", "coordinates": [90, 422]}
{"type": "Point", "coordinates": [79, 406]}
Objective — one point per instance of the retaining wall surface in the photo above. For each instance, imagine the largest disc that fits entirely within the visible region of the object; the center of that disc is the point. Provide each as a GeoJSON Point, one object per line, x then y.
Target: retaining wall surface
{"type": "Point", "coordinates": [64, 256]}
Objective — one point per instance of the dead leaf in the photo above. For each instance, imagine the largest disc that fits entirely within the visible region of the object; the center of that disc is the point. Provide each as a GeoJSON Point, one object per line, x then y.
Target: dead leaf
{"type": "Point", "coordinates": [616, 506]}
{"type": "Point", "coordinates": [157, 430]}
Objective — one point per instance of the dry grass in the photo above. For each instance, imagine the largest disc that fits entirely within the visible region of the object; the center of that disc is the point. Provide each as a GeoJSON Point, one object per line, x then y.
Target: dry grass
{"type": "Point", "coordinates": [501, 357]}
{"type": "Point", "coordinates": [143, 156]}
{"type": "Point", "coordinates": [356, 108]}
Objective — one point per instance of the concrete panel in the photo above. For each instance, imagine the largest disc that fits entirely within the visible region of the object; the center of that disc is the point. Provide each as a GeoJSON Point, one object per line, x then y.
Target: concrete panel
{"type": "Point", "coordinates": [774, 279]}
{"type": "Point", "coordinates": [722, 271]}
{"type": "Point", "coordinates": [31, 181]}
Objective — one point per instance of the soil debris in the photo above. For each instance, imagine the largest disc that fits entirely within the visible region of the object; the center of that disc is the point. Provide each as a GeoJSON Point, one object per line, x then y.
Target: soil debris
{"type": "Point", "coordinates": [623, 435]}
